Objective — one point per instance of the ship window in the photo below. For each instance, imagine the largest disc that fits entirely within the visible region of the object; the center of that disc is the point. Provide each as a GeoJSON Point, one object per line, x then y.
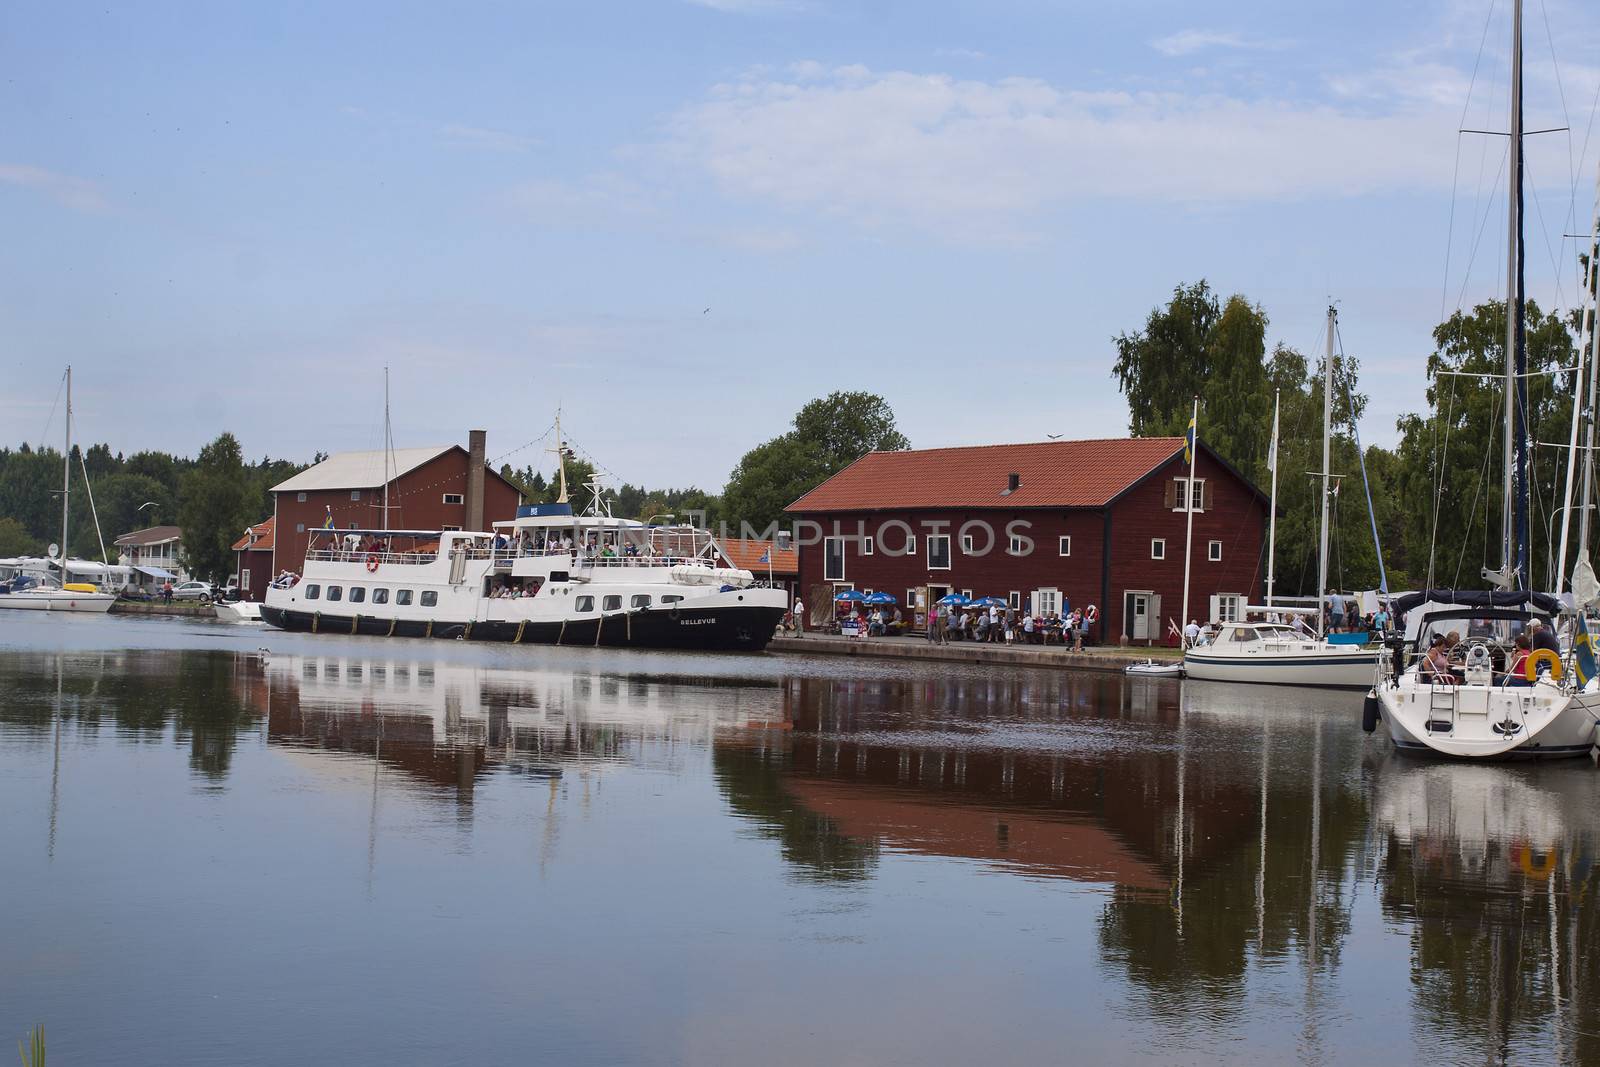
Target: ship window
{"type": "Point", "coordinates": [670, 598]}
{"type": "Point", "coordinates": [313, 591]}
{"type": "Point", "coordinates": [380, 596]}
{"type": "Point", "coordinates": [358, 593]}
{"type": "Point", "coordinates": [430, 597]}
{"type": "Point", "coordinates": [559, 576]}
{"type": "Point", "coordinates": [1242, 634]}
{"type": "Point", "coordinates": [335, 592]}
{"type": "Point", "coordinates": [584, 603]}
{"type": "Point", "coordinates": [612, 602]}
{"type": "Point", "coordinates": [402, 597]}
{"type": "Point", "coordinates": [639, 600]}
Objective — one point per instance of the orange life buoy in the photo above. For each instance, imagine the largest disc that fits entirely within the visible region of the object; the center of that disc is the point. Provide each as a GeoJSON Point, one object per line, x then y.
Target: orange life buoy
{"type": "Point", "coordinates": [1540, 869]}
{"type": "Point", "coordinates": [372, 563]}
{"type": "Point", "coordinates": [1091, 613]}
{"type": "Point", "coordinates": [1530, 667]}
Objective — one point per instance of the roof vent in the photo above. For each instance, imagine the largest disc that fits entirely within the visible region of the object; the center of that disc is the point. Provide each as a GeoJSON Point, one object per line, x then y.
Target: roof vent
{"type": "Point", "coordinates": [1013, 483]}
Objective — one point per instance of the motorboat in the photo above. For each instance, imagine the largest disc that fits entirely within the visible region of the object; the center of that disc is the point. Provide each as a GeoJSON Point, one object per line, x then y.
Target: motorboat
{"type": "Point", "coordinates": [1151, 668]}
{"type": "Point", "coordinates": [1280, 654]}
{"type": "Point", "coordinates": [238, 611]}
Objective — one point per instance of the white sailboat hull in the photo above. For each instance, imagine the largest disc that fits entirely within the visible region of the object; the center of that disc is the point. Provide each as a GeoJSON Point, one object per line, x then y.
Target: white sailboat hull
{"type": "Point", "coordinates": [243, 611]}
{"type": "Point", "coordinates": [1489, 722]}
{"type": "Point", "coordinates": [57, 600]}
{"type": "Point", "coordinates": [1322, 666]}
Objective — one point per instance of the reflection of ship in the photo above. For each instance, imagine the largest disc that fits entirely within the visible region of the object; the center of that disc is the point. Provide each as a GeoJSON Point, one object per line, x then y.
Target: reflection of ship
{"type": "Point", "coordinates": [439, 710]}
{"type": "Point", "coordinates": [1494, 867]}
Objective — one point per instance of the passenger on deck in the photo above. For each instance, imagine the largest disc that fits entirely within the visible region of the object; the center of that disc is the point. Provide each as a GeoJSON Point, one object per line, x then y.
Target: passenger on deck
{"type": "Point", "coordinates": [1435, 666]}
{"type": "Point", "coordinates": [1516, 673]}
{"type": "Point", "coordinates": [1541, 636]}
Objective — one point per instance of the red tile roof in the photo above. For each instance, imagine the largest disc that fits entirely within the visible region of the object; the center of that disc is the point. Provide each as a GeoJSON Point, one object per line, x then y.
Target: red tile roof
{"type": "Point", "coordinates": [745, 553]}
{"type": "Point", "coordinates": [1054, 474]}
{"type": "Point", "coordinates": [263, 532]}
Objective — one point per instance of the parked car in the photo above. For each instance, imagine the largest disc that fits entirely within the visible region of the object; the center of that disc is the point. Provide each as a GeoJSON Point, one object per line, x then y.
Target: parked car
{"type": "Point", "coordinates": [204, 592]}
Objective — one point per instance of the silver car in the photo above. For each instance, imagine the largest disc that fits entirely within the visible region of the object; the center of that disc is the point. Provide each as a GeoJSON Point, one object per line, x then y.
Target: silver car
{"type": "Point", "coordinates": [201, 591]}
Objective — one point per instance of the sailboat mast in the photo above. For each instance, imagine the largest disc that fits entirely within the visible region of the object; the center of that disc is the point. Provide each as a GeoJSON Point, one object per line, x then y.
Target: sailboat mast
{"type": "Point", "coordinates": [1592, 338]}
{"type": "Point", "coordinates": [1188, 505]}
{"type": "Point", "coordinates": [66, 478]}
{"type": "Point", "coordinates": [1327, 465]}
{"type": "Point", "coordinates": [1514, 516]}
{"type": "Point", "coordinates": [388, 444]}
{"type": "Point", "coordinates": [1272, 508]}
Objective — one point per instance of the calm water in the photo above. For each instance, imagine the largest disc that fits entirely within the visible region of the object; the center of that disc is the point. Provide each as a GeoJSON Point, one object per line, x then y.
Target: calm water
{"type": "Point", "coordinates": [393, 852]}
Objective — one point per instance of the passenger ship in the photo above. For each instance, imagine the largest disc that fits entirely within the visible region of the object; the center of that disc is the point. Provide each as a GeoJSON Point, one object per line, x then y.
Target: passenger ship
{"type": "Point", "coordinates": [547, 577]}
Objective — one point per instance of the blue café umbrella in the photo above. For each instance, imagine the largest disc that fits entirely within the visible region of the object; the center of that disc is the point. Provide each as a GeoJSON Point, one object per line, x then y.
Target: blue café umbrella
{"type": "Point", "coordinates": [952, 600]}
{"type": "Point", "coordinates": [849, 596]}
{"type": "Point", "coordinates": [879, 599]}
{"type": "Point", "coordinates": [988, 602]}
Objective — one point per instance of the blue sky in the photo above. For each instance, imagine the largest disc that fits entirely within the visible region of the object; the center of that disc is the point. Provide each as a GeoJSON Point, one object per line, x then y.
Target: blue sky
{"type": "Point", "coordinates": [233, 216]}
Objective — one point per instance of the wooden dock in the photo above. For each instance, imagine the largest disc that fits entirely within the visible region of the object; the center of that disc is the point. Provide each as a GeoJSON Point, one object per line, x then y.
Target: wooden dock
{"type": "Point", "coordinates": [918, 648]}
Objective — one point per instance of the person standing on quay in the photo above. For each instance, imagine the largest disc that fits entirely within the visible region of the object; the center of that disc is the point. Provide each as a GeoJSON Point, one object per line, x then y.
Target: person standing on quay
{"type": "Point", "coordinates": [799, 618]}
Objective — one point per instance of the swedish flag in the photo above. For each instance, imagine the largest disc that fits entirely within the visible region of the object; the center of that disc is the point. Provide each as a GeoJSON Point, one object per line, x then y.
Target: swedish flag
{"type": "Point", "coordinates": [1583, 660]}
{"type": "Point", "coordinates": [1188, 442]}
{"type": "Point", "coordinates": [327, 523]}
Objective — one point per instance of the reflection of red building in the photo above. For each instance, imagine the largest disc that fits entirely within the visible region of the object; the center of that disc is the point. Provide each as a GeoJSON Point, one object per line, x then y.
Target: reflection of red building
{"type": "Point", "coordinates": [1090, 522]}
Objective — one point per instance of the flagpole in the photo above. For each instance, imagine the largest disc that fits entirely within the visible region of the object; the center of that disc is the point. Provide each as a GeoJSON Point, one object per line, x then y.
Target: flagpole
{"type": "Point", "coordinates": [1188, 504]}
{"type": "Point", "coordinates": [1272, 513]}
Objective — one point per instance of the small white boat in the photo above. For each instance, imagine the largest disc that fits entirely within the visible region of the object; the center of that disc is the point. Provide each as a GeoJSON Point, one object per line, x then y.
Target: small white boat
{"type": "Point", "coordinates": [239, 611]}
{"type": "Point", "coordinates": [1278, 654]}
{"type": "Point", "coordinates": [54, 598]}
{"type": "Point", "coordinates": [1154, 669]}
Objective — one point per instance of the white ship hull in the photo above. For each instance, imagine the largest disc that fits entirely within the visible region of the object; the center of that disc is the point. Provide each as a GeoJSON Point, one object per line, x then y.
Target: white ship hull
{"type": "Point", "coordinates": [57, 600]}
{"type": "Point", "coordinates": [1488, 721]}
{"type": "Point", "coordinates": [1323, 666]}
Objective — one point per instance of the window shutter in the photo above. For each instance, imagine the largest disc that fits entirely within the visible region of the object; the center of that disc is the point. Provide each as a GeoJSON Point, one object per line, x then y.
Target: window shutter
{"type": "Point", "coordinates": [1172, 494]}
{"type": "Point", "coordinates": [1216, 610]}
{"type": "Point", "coordinates": [1205, 495]}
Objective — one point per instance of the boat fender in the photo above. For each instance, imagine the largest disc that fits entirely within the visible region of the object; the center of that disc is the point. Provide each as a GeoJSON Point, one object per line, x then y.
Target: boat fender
{"type": "Point", "coordinates": [1369, 712]}
{"type": "Point", "coordinates": [1530, 668]}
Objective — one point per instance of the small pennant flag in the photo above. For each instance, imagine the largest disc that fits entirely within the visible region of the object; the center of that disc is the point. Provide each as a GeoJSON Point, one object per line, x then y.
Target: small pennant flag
{"type": "Point", "coordinates": [1583, 661]}
{"type": "Point", "coordinates": [766, 557]}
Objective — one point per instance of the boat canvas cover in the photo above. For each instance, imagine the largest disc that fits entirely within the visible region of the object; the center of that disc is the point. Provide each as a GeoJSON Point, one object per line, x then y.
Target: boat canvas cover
{"type": "Point", "coordinates": [1417, 607]}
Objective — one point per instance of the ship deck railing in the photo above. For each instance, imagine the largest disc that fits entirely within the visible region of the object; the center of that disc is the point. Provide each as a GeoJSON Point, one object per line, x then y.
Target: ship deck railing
{"type": "Point", "coordinates": [340, 555]}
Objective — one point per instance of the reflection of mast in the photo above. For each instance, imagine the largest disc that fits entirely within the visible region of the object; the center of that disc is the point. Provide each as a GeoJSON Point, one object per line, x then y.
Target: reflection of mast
{"type": "Point", "coordinates": [1311, 884]}
{"type": "Point", "coordinates": [1261, 864]}
{"type": "Point", "coordinates": [1178, 889]}
{"type": "Point", "coordinates": [55, 765]}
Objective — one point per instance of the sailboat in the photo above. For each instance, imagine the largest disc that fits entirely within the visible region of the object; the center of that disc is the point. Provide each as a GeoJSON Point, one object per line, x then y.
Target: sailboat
{"type": "Point", "coordinates": [1275, 652]}
{"type": "Point", "coordinates": [25, 592]}
{"type": "Point", "coordinates": [1476, 711]}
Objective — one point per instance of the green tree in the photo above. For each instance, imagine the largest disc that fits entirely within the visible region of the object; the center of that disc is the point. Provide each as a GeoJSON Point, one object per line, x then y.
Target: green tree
{"type": "Point", "coordinates": [828, 435]}
{"type": "Point", "coordinates": [15, 540]}
{"type": "Point", "coordinates": [216, 501]}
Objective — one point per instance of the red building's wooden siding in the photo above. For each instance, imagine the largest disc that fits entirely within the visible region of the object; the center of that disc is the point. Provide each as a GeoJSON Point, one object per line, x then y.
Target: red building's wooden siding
{"type": "Point", "coordinates": [1123, 529]}
{"type": "Point", "coordinates": [416, 502]}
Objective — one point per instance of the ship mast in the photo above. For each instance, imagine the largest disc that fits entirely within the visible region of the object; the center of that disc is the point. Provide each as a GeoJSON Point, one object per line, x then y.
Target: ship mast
{"type": "Point", "coordinates": [1514, 513]}
{"type": "Point", "coordinates": [66, 478]}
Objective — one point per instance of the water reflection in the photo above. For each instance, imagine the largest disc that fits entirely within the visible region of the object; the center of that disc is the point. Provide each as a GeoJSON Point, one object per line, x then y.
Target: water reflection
{"type": "Point", "coordinates": [1233, 850]}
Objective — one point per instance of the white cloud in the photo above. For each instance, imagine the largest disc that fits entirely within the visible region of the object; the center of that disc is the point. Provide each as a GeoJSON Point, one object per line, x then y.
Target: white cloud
{"type": "Point", "coordinates": [80, 194]}
{"type": "Point", "coordinates": [1187, 42]}
{"type": "Point", "coordinates": [978, 158]}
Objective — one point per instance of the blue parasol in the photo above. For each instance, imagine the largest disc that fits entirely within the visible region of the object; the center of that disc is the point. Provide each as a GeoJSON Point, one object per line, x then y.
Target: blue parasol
{"type": "Point", "coordinates": [849, 596]}
{"type": "Point", "coordinates": [879, 598]}
{"type": "Point", "coordinates": [953, 600]}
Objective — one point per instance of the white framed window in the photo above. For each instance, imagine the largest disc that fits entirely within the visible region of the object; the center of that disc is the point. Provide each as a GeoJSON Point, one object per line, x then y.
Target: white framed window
{"type": "Point", "coordinates": [966, 544]}
{"type": "Point", "coordinates": [911, 544]}
{"type": "Point", "coordinates": [453, 498]}
{"type": "Point", "coordinates": [449, 528]}
{"type": "Point", "coordinates": [244, 578]}
{"type": "Point", "coordinates": [1014, 598]}
{"type": "Point", "coordinates": [1229, 607]}
{"type": "Point", "coordinates": [1180, 489]}
{"type": "Point", "coordinates": [967, 593]}
{"type": "Point", "coordinates": [1214, 552]}
{"type": "Point", "coordinates": [1014, 546]}
{"type": "Point", "coordinates": [938, 552]}
{"type": "Point", "coordinates": [1158, 548]}
{"type": "Point", "coordinates": [1064, 545]}
{"type": "Point", "coordinates": [833, 559]}
{"type": "Point", "coordinates": [912, 600]}
{"type": "Point", "coordinates": [299, 527]}
{"type": "Point", "coordinates": [355, 494]}
{"type": "Point", "coordinates": [300, 498]}
{"type": "Point", "coordinates": [866, 546]}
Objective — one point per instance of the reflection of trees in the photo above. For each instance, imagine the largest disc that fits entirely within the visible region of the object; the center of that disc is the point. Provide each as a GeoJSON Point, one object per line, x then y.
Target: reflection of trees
{"type": "Point", "coordinates": [141, 693]}
{"type": "Point", "coordinates": [752, 781]}
{"type": "Point", "coordinates": [1504, 920]}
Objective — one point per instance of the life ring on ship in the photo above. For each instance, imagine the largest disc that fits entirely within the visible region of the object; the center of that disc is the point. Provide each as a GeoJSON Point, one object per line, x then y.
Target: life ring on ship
{"type": "Point", "coordinates": [1525, 853]}
{"type": "Point", "coordinates": [1091, 613]}
{"type": "Point", "coordinates": [1530, 668]}
{"type": "Point", "coordinates": [372, 563]}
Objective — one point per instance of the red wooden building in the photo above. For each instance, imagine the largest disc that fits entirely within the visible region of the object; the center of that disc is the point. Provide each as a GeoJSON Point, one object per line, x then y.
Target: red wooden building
{"type": "Point", "coordinates": [1042, 525]}
{"type": "Point", "coordinates": [446, 487]}
{"type": "Point", "coordinates": [253, 561]}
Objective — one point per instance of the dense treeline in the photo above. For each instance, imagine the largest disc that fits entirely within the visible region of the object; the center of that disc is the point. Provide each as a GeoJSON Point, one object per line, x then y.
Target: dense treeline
{"type": "Point", "coordinates": [1436, 495]}
{"type": "Point", "coordinates": [213, 496]}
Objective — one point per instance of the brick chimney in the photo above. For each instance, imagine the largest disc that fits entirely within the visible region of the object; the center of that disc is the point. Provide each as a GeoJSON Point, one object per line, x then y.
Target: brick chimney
{"type": "Point", "coordinates": [476, 447]}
